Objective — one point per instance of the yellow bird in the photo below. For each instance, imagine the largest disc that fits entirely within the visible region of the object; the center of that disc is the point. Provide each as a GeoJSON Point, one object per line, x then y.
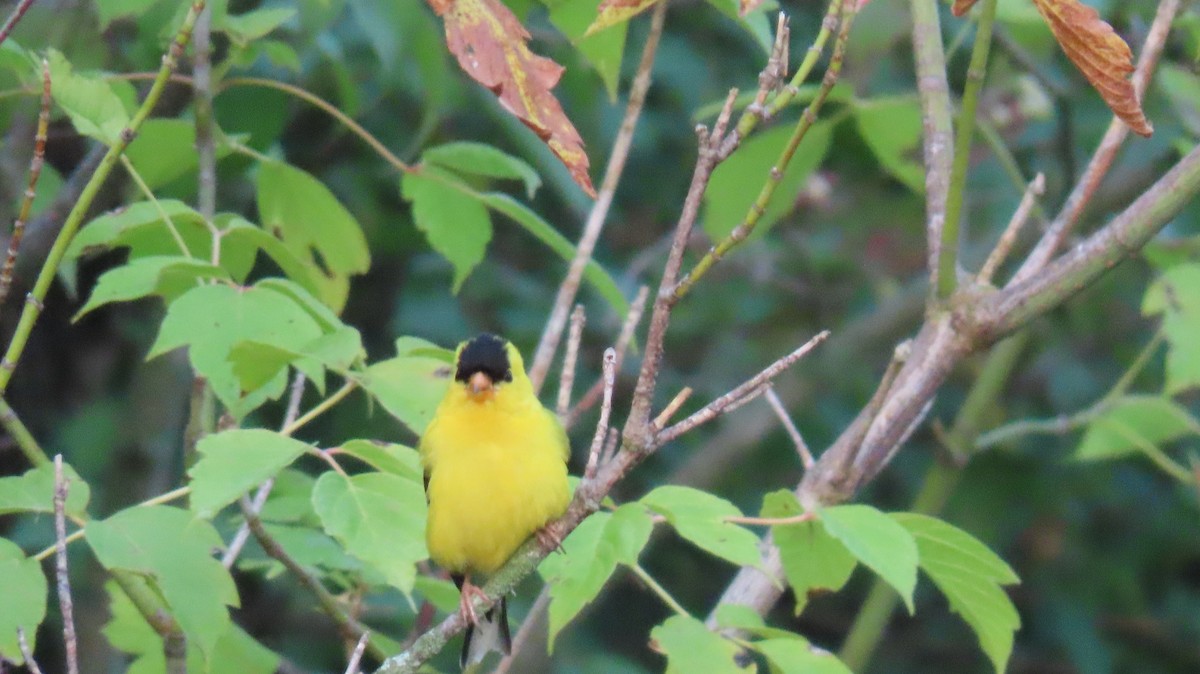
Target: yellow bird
{"type": "Point", "coordinates": [495, 473]}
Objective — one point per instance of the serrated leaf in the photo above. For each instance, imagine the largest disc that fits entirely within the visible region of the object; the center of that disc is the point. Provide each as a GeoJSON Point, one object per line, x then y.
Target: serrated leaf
{"type": "Point", "coordinates": [175, 549]}
{"type": "Point", "coordinates": [1100, 54]}
{"type": "Point", "coordinates": [232, 462]}
{"type": "Point", "coordinates": [490, 45]}
{"type": "Point", "coordinates": [386, 457]}
{"type": "Point", "coordinates": [483, 160]}
{"type": "Point", "coordinates": [164, 150]}
{"type": "Point", "coordinates": [89, 101]}
{"type": "Point", "coordinates": [308, 547]}
{"type": "Point", "coordinates": [1176, 295]}
{"type": "Point", "coordinates": [691, 647]}
{"type": "Point", "coordinates": [795, 656]}
{"type": "Point", "coordinates": [379, 518]}
{"type": "Point", "coordinates": [812, 559]}
{"type": "Point", "coordinates": [167, 276]}
{"type": "Point", "coordinates": [314, 225]}
{"type": "Point", "coordinates": [878, 542]}
{"type": "Point", "coordinates": [602, 50]}
{"type": "Point", "coordinates": [256, 363]}
{"type": "Point", "coordinates": [891, 127]}
{"type": "Point", "coordinates": [23, 586]}
{"type": "Point", "coordinates": [1135, 423]}
{"type": "Point", "coordinates": [234, 651]}
{"type": "Point", "coordinates": [613, 12]}
{"type": "Point", "coordinates": [970, 575]}
{"type": "Point", "coordinates": [535, 225]}
{"type": "Point", "coordinates": [454, 221]}
{"type": "Point", "coordinates": [257, 23]}
{"type": "Point", "coordinates": [736, 182]}
{"type": "Point", "coordinates": [290, 500]}
{"type": "Point", "coordinates": [109, 230]}
{"type": "Point", "coordinates": [33, 492]}
{"type": "Point", "coordinates": [700, 517]}
{"type": "Point", "coordinates": [409, 387]}
{"type": "Point", "coordinates": [590, 555]}
{"type": "Point", "coordinates": [210, 320]}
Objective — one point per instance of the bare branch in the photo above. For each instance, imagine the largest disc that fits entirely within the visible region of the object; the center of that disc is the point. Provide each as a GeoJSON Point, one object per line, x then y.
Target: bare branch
{"type": "Point", "coordinates": [671, 408]}
{"type": "Point", "coordinates": [35, 172]}
{"type": "Point", "coordinates": [64, 582]}
{"type": "Point", "coordinates": [206, 146]}
{"type": "Point", "coordinates": [610, 360]}
{"type": "Point", "coordinates": [14, 18]}
{"type": "Point", "coordinates": [741, 394]}
{"type": "Point", "coordinates": [356, 656]}
{"type": "Point", "coordinates": [567, 381]}
{"type": "Point", "coordinates": [26, 653]}
{"type": "Point", "coordinates": [1105, 153]}
{"type": "Point", "coordinates": [1009, 237]}
{"type": "Point", "coordinates": [806, 457]}
{"type": "Point", "coordinates": [623, 341]}
{"type": "Point", "coordinates": [595, 221]}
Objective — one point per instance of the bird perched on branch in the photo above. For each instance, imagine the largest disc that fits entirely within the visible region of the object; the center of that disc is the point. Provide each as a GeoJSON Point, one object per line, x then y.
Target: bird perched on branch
{"type": "Point", "coordinates": [495, 473]}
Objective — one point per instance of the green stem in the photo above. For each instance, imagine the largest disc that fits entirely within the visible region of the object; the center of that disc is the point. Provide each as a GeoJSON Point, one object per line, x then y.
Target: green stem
{"type": "Point", "coordinates": [976, 71]}
{"type": "Point", "coordinates": [320, 408]}
{"type": "Point", "coordinates": [33, 305]}
{"type": "Point", "coordinates": [162, 212]}
{"type": "Point", "coordinates": [775, 176]}
{"type": "Point", "coordinates": [659, 590]}
{"type": "Point", "coordinates": [20, 434]}
{"type": "Point", "coordinates": [747, 123]}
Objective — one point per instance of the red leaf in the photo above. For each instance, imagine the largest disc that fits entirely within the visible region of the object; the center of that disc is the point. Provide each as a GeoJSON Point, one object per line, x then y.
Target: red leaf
{"type": "Point", "coordinates": [962, 7]}
{"type": "Point", "coordinates": [490, 45]}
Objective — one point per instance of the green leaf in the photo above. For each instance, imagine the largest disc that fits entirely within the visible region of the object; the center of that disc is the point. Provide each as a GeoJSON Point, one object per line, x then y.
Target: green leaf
{"type": "Point", "coordinates": [795, 656]}
{"type": "Point", "coordinates": [891, 127]}
{"type": "Point", "coordinates": [812, 559]}
{"type": "Point", "coordinates": [737, 181]}
{"type": "Point", "coordinates": [248, 27]}
{"type": "Point", "coordinates": [877, 541]}
{"type": "Point", "coordinates": [590, 555]}
{"type": "Point", "coordinates": [112, 230]}
{"type": "Point", "coordinates": [167, 276]}
{"type": "Point", "coordinates": [535, 225]}
{"type": "Point", "coordinates": [386, 457]}
{"type": "Point", "coordinates": [314, 225]}
{"type": "Point", "coordinates": [409, 387]}
{"type": "Point", "coordinates": [483, 160]}
{"type": "Point", "coordinates": [128, 631]}
{"type": "Point", "coordinates": [754, 23]}
{"type": "Point", "coordinates": [307, 546]}
{"type": "Point", "coordinates": [1135, 423]}
{"type": "Point", "coordinates": [700, 518]}
{"type": "Point", "coordinates": [232, 462]}
{"type": "Point", "coordinates": [746, 619]}
{"type": "Point", "coordinates": [603, 50]}
{"type": "Point", "coordinates": [1176, 295]}
{"type": "Point", "coordinates": [450, 214]}
{"type": "Point", "coordinates": [379, 518]}
{"type": "Point", "coordinates": [691, 647]}
{"type": "Point", "coordinates": [290, 499]}
{"type": "Point", "coordinates": [970, 575]}
{"type": "Point", "coordinates": [256, 363]}
{"type": "Point", "coordinates": [33, 492]}
{"type": "Point", "coordinates": [23, 586]}
{"type": "Point", "coordinates": [165, 149]}
{"type": "Point", "coordinates": [1183, 89]}
{"type": "Point", "coordinates": [94, 109]}
{"type": "Point", "coordinates": [210, 320]}
{"type": "Point", "coordinates": [175, 549]}
{"type": "Point", "coordinates": [110, 10]}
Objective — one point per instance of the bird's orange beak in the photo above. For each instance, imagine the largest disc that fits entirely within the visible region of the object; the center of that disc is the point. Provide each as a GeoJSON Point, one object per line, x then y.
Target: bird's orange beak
{"type": "Point", "coordinates": [480, 386]}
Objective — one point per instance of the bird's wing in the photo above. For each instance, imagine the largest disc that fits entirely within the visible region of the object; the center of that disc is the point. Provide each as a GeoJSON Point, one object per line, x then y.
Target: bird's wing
{"type": "Point", "coordinates": [559, 434]}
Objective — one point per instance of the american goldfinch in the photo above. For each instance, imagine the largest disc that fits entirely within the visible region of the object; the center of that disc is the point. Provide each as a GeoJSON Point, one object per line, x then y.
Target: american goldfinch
{"type": "Point", "coordinates": [495, 473]}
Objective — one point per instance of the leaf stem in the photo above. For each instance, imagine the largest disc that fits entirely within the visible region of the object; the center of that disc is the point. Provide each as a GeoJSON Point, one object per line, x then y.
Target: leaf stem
{"type": "Point", "coordinates": [320, 408]}
{"type": "Point", "coordinates": [162, 213]}
{"type": "Point", "coordinates": [659, 590]}
{"type": "Point", "coordinates": [947, 276]}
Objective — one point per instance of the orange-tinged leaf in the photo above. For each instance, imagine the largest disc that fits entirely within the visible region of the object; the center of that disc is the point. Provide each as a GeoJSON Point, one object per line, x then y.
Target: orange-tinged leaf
{"type": "Point", "coordinates": [1100, 54]}
{"type": "Point", "coordinates": [490, 45]}
{"type": "Point", "coordinates": [747, 6]}
{"type": "Point", "coordinates": [961, 7]}
{"type": "Point", "coordinates": [613, 12]}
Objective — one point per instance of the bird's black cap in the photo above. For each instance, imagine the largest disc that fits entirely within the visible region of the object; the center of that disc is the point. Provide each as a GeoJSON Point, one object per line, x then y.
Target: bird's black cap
{"type": "Point", "coordinates": [486, 354]}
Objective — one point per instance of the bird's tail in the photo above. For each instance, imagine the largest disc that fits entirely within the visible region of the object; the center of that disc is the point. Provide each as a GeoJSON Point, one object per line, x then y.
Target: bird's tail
{"type": "Point", "coordinates": [491, 635]}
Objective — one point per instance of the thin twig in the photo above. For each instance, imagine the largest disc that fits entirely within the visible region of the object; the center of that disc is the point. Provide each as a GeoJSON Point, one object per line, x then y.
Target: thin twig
{"type": "Point", "coordinates": [589, 399]}
{"type": "Point", "coordinates": [569, 288]}
{"type": "Point", "coordinates": [1105, 153]}
{"type": "Point", "coordinates": [567, 381]}
{"type": "Point", "coordinates": [356, 656]}
{"type": "Point", "coordinates": [671, 408]}
{"type": "Point", "coordinates": [26, 652]}
{"type": "Point", "coordinates": [806, 457]}
{"type": "Point", "coordinates": [17, 13]}
{"type": "Point", "coordinates": [35, 172]}
{"type": "Point", "coordinates": [202, 94]}
{"type": "Point", "coordinates": [740, 394]}
{"type": "Point", "coordinates": [64, 582]}
{"type": "Point", "coordinates": [610, 446]}
{"type": "Point", "coordinates": [659, 590]}
{"type": "Point", "coordinates": [320, 408]}
{"type": "Point", "coordinates": [526, 630]}
{"type": "Point", "coordinates": [1009, 237]}
{"type": "Point", "coordinates": [162, 212]}
{"type": "Point", "coordinates": [610, 360]}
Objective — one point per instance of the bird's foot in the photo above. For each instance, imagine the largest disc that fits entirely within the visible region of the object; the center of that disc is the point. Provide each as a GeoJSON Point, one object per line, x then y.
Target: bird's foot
{"type": "Point", "coordinates": [549, 538]}
{"type": "Point", "coordinates": [466, 605]}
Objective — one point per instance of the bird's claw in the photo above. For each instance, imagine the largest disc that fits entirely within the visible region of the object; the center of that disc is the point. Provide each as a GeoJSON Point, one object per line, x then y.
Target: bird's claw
{"type": "Point", "coordinates": [466, 604]}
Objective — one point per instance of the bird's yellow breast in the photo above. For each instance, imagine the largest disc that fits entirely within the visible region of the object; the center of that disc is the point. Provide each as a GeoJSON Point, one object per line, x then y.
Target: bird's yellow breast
{"type": "Point", "coordinates": [497, 473]}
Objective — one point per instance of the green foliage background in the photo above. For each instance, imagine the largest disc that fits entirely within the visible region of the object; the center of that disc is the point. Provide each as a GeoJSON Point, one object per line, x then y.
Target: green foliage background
{"type": "Point", "coordinates": [1107, 548]}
